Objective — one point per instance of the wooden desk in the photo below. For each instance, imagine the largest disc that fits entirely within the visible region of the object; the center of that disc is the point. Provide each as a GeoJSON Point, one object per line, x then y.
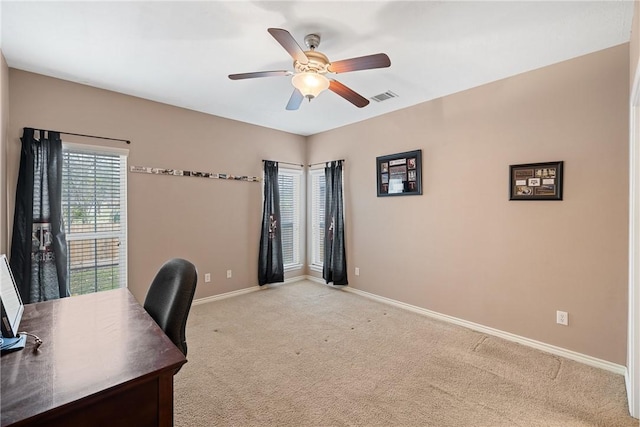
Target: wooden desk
{"type": "Point", "coordinates": [104, 362]}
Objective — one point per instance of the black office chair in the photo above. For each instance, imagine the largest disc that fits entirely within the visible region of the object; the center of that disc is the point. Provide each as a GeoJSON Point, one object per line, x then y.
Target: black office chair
{"type": "Point", "coordinates": [169, 299]}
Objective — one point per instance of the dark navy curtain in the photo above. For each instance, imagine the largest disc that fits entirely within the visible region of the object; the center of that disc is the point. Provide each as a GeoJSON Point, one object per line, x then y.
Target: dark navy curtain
{"type": "Point", "coordinates": [38, 246]}
{"type": "Point", "coordinates": [270, 262]}
{"type": "Point", "coordinates": [335, 258]}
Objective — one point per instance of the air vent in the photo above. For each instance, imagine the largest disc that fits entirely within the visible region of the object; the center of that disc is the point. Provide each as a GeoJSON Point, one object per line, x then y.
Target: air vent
{"type": "Point", "coordinates": [384, 96]}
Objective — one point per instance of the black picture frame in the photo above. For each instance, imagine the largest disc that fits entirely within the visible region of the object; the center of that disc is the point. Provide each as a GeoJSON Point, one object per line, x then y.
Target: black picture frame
{"type": "Point", "coordinates": [536, 181]}
{"type": "Point", "coordinates": [399, 174]}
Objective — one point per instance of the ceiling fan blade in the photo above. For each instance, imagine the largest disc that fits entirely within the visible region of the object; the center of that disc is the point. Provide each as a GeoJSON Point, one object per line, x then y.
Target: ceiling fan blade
{"type": "Point", "coordinates": [379, 60]}
{"type": "Point", "coordinates": [289, 44]}
{"type": "Point", "coordinates": [295, 100]}
{"type": "Point", "coordinates": [259, 74]}
{"type": "Point", "coordinates": [348, 94]}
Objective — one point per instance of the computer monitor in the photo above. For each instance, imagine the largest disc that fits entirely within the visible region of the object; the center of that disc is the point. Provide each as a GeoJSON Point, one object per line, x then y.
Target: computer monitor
{"type": "Point", "coordinates": [10, 301]}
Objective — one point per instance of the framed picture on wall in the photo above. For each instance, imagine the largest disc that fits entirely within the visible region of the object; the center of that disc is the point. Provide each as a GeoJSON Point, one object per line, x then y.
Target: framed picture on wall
{"type": "Point", "coordinates": [536, 181]}
{"type": "Point", "coordinates": [399, 174]}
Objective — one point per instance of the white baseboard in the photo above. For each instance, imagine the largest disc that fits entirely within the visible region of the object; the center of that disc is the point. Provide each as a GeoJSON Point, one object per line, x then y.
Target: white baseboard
{"type": "Point", "coordinates": [316, 279]}
{"type": "Point", "coordinates": [243, 291]}
{"type": "Point", "coordinates": [322, 282]}
{"type": "Point", "coordinates": [632, 397]}
{"type": "Point", "coordinates": [225, 295]}
{"type": "Point", "coordinates": [627, 384]}
{"type": "Point", "coordinates": [295, 279]}
{"type": "Point", "coordinates": [548, 348]}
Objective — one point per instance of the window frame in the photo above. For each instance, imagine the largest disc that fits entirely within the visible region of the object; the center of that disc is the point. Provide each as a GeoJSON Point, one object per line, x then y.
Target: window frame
{"type": "Point", "coordinates": [314, 243]}
{"type": "Point", "coordinates": [122, 234]}
{"type": "Point", "coordinates": [298, 222]}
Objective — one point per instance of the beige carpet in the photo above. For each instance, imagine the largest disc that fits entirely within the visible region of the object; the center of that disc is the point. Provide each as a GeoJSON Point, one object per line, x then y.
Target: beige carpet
{"type": "Point", "coordinates": [304, 354]}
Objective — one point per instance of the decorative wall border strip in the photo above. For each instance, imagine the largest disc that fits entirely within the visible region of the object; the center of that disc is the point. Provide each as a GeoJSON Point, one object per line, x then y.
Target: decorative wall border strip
{"type": "Point", "coordinates": [177, 172]}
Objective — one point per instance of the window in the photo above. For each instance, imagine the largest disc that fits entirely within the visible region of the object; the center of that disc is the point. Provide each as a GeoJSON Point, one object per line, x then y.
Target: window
{"type": "Point", "coordinates": [317, 201]}
{"type": "Point", "coordinates": [289, 183]}
{"type": "Point", "coordinates": [94, 206]}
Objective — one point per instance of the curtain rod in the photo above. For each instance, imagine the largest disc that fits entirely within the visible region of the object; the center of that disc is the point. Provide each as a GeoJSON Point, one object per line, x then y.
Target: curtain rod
{"type": "Point", "coordinates": [284, 163]}
{"type": "Point", "coordinates": [321, 163]}
{"type": "Point", "coordinates": [86, 136]}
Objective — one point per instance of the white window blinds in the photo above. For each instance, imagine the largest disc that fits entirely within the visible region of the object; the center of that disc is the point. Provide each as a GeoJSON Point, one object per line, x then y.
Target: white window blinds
{"type": "Point", "coordinates": [94, 205]}
{"type": "Point", "coordinates": [289, 183]}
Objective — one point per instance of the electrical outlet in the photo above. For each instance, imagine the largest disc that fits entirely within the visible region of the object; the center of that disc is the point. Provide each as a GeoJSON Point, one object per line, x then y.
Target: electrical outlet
{"type": "Point", "coordinates": [228, 274]}
{"type": "Point", "coordinates": [562, 318]}
{"type": "Point", "coordinates": [207, 277]}
{"type": "Point", "coordinates": [357, 271]}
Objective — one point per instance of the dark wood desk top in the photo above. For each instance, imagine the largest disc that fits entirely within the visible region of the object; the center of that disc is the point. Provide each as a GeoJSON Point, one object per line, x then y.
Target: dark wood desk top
{"type": "Point", "coordinates": [91, 343]}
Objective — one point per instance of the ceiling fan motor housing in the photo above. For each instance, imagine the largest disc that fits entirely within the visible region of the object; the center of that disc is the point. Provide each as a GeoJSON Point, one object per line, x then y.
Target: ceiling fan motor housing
{"type": "Point", "coordinates": [318, 63]}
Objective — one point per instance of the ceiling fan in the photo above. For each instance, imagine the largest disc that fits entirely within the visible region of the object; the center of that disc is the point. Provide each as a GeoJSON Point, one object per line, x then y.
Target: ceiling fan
{"type": "Point", "coordinates": [311, 67]}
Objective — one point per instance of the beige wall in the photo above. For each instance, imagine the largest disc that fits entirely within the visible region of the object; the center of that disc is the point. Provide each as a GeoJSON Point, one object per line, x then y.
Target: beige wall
{"type": "Point", "coordinates": [460, 249]}
{"type": "Point", "coordinates": [213, 223]}
{"type": "Point", "coordinates": [465, 250]}
{"type": "Point", "coordinates": [4, 120]}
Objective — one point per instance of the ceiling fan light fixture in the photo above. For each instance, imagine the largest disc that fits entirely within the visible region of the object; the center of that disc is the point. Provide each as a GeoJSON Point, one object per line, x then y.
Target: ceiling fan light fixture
{"type": "Point", "coordinates": [310, 84]}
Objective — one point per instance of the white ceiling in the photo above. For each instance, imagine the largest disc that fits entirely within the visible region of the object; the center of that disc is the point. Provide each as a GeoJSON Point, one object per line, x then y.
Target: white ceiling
{"type": "Point", "coordinates": [180, 53]}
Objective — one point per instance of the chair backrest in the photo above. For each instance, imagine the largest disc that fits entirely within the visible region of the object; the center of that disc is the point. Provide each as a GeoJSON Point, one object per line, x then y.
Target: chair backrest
{"type": "Point", "coordinates": [169, 299]}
